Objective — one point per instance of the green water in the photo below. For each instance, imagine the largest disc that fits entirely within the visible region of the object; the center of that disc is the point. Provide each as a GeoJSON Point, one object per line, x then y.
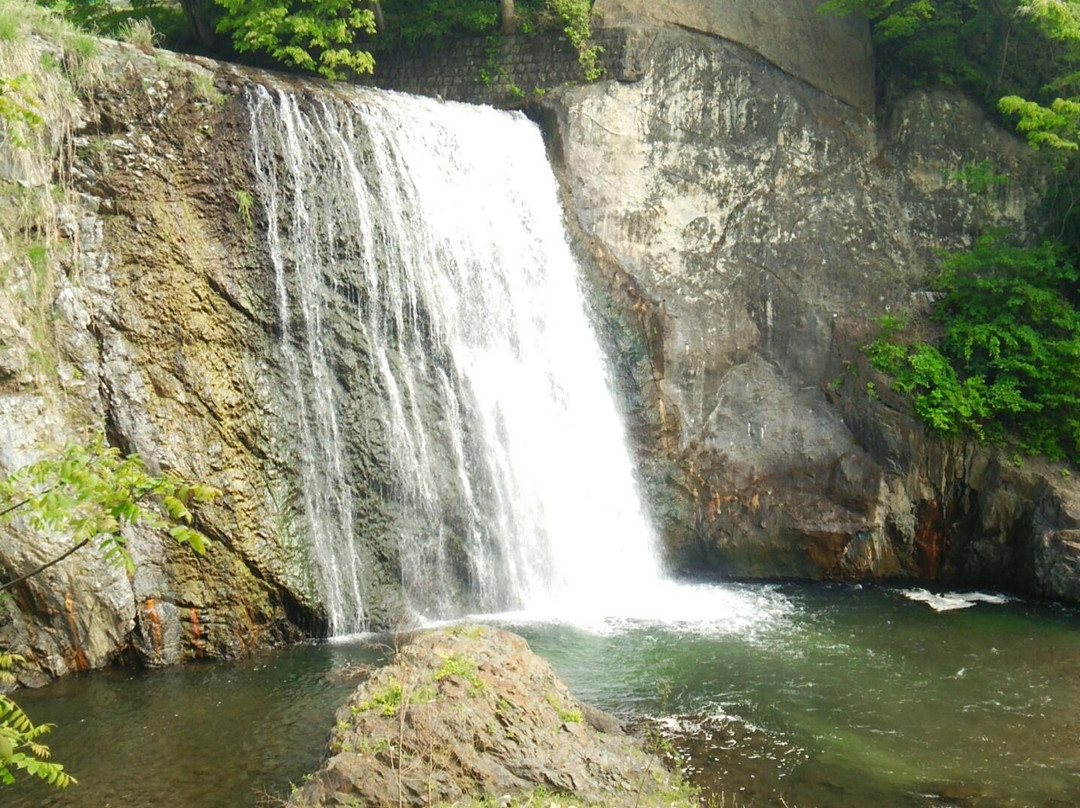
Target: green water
{"type": "Point", "coordinates": [817, 696]}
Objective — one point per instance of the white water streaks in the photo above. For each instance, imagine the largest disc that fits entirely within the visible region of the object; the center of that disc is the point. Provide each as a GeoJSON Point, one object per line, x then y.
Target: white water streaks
{"type": "Point", "coordinates": [420, 255]}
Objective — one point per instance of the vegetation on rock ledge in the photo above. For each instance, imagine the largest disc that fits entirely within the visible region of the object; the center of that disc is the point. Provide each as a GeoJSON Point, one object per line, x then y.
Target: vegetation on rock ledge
{"type": "Point", "coordinates": [1007, 362]}
{"type": "Point", "coordinates": [332, 38]}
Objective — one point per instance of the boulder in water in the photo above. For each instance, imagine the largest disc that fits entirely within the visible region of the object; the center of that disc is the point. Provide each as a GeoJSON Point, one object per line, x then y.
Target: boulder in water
{"type": "Point", "coordinates": [472, 713]}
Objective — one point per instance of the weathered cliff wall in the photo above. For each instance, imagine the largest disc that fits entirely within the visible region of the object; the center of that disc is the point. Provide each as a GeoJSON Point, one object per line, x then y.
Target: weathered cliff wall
{"type": "Point", "coordinates": [746, 229]}
{"type": "Point", "coordinates": [145, 320]}
{"type": "Point", "coordinates": [830, 53]}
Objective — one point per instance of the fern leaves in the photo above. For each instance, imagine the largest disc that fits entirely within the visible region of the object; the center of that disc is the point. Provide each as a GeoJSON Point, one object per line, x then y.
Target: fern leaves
{"type": "Point", "coordinates": [20, 749]}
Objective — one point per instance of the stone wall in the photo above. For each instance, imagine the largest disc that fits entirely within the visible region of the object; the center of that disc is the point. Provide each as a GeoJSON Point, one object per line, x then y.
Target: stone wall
{"type": "Point", "coordinates": [501, 71]}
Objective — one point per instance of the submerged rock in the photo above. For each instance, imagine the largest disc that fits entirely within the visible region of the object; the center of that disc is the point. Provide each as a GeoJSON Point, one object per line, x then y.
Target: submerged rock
{"type": "Point", "coordinates": [472, 713]}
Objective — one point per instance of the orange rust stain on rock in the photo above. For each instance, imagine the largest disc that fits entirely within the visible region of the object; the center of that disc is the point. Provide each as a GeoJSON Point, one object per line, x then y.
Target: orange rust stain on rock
{"type": "Point", "coordinates": [69, 609]}
{"type": "Point", "coordinates": [157, 641]}
{"type": "Point", "coordinates": [929, 539]}
{"type": "Point", "coordinates": [197, 640]}
{"type": "Point", "coordinates": [79, 661]}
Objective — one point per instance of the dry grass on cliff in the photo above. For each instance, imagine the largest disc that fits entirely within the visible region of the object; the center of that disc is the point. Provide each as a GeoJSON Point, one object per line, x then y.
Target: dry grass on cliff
{"type": "Point", "coordinates": [45, 65]}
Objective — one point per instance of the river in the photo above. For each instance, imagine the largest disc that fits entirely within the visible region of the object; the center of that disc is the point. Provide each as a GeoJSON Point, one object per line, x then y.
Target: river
{"type": "Point", "coordinates": [785, 694]}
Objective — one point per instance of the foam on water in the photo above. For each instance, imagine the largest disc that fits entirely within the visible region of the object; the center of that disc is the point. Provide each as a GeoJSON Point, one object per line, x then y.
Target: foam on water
{"type": "Point", "coordinates": [951, 601]}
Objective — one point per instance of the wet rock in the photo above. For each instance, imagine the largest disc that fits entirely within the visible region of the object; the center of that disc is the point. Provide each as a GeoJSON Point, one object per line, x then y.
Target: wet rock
{"type": "Point", "coordinates": [472, 713]}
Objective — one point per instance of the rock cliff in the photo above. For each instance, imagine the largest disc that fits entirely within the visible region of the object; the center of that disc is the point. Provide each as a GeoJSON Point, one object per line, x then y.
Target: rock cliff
{"type": "Point", "coordinates": [744, 230]}
{"type": "Point", "coordinates": [144, 319]}
{"type": "Point", "coordinates": [742, 219]}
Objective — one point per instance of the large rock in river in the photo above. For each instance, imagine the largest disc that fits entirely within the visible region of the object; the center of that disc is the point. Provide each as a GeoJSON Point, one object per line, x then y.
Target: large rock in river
{"type": "Point", "coordinates": [470, 713]}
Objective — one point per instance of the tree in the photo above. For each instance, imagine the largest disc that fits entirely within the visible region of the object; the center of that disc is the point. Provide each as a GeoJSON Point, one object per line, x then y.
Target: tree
{"type": "Point", "coordinates": [1020, 55]}
{"type": "Point", "coordinates": [508, 22]}
{"type": "Point", "coordinates": [89, 493]}
{"type": "Point", "coordinates": [316, 35]}
{"type": "Point", "coordinates": [200, 16]}
{"type": "Point", "coordinates": [1007, 360]}
{"type": "Point", "coordinates": [1056, 124]}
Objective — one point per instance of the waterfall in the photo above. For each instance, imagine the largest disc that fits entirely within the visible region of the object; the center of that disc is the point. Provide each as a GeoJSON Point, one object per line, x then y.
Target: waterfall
{"type": "Point", "coordinates": [445, 394]}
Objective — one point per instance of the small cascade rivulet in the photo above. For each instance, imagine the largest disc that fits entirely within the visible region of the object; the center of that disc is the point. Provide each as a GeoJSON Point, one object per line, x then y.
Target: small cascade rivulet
{"type": "Point", "coordinates": [443, 386]}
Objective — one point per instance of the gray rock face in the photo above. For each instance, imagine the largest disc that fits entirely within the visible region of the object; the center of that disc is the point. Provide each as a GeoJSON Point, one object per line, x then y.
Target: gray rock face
{"type": "Point", "coordinates": [472, 713]}
{"type": "Point", "coordinates": [746, 230]}
{"type": "Point", "coordinates": [741, 225]}
{"type": "Point", "coordinates": [831, 53]}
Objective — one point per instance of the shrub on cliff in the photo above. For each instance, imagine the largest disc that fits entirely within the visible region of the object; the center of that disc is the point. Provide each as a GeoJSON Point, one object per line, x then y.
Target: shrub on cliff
{"type": "Point", "coordinates": [1019, 57]}
{"type": "Point", "coordinates": [1008, 359]}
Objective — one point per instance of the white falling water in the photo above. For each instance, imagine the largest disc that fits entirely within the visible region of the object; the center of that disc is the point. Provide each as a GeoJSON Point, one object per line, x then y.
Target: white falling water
{"type": "Point", "coordinates": [428, 237]}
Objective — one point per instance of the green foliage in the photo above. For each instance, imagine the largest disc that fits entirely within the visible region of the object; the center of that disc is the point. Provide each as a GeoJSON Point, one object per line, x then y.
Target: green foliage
{"type": "Point", "coordinates": [978, 178]}
{"type": "Point", "coordinates": [386, 702]}
{"type": "Point", "coordinates": [1020, 57]}
{"type": "Point", "coordinates": [410, 22]}
{"type": "Point", "coordinates": [567, 716]}
{"type": "Point", "coordinates": [140, 33]}
{"type": "Point", "coordinates": [316, 36]}
{"type": "Point", "coordinates": [90, 492]}
{"type": "Point", "coordinates": [203, 86]}
{"type": "Point", "coordinates": [989, 48]}
{"type": "Point", "coordinates": [245, 203]}
{"type": "Point", "coordinates": [165, 19]}
{"type": "Point", "coordinates": [576, 18]}
{"type": "Point", "coordinates": [20, 749]}
{"type": "Point", "coordinates": [1008, 360]}
{"type": "Point", "coordinates": [18, 110]}
{"type": "Point", "coordinates": [1056, 126]}
{"type": "Point", "coordinates": [462, 667]}
{"type": "Point", "coordinates": [420, 22]}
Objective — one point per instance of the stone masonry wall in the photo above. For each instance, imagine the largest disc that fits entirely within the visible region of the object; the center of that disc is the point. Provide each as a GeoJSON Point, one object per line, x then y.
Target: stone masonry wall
{"type": "Point", "coordinates": [501, 71]}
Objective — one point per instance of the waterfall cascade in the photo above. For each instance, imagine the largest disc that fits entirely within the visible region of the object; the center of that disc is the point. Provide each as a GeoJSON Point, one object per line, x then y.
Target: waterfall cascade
{"type": "Point", "coordinates": [437, 352]}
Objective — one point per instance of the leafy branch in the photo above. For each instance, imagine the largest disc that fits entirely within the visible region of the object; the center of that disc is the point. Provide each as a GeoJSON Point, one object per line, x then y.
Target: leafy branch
{"type": "Point", "coordinates": [90, 492]}
{"type": "Point", "coordinates": [20, 748]}
{"type": "Point", "coordinates": [317, 35]}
